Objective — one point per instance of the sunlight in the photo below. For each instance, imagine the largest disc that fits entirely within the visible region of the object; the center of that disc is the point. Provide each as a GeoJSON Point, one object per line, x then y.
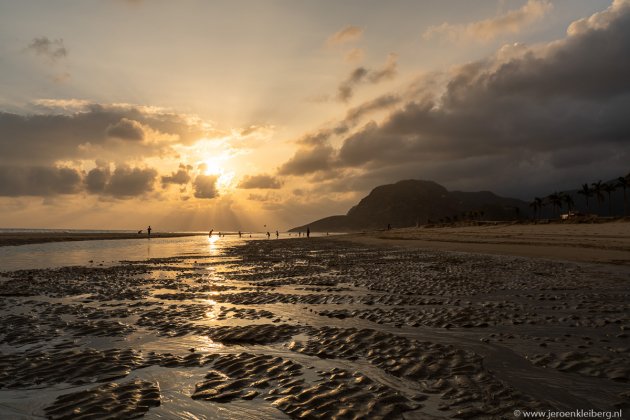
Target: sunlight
{"type": "Point", "coordinates": [212, 167]}
{"type": "Point", "coordinates": [215, 166]}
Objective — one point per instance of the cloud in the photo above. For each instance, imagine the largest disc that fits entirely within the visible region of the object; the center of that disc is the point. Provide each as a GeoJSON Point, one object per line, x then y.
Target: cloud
{"type": "Point", "coordinates": [205, 186]}
{"type": "Point", "coordinates": [69, 129]}
{"type": "Point", "coordinates": [268, 197]}
{"type": "Point", "coordinates": [531, 118]}
{"type": "Point", "coordinates": [377, 104]}
{"type": "Point", "coordinates": [126, 129]}
{"type": "Point", "coordinates": [180, 177]}
{"type": "Point", "coordinates": [260, 181]}
{"type": "Point", "coordinates": [96, 180]}
{"type": "Point", "coordinates": [52, 50]}
{"type": "Point", "coordinates": [308, 160]}
{"type": "Point", "coordinates": [38, 181]}
{"type": "Point", "coordinates": [362, 75]}
{"type": "Point", "coordinates": [347, 34]}
{"type": "Point", "coordinates": [123, 182]}
{"type": "Point", "coordinates": [354, 55]}
{"type": "Point", "coordinates": [512, 21]}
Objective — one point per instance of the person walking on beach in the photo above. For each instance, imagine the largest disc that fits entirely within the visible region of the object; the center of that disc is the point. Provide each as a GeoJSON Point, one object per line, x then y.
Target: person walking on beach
{"type": "Point", "coordinates": [149, 231]}
{"type": "Point", "coordinates": [268, 235]}
{"type": "Point", "coordinates": [277, 234]}
{"type": "Point", "coordinates": [239, 234]}
{"type": "Point", "coordinates": [308, 232]}
{"type": "Point", "coordinates": [210, 233]}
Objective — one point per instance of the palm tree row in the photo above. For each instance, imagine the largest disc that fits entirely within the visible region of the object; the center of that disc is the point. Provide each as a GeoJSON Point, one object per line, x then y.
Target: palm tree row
{"type": "Point", "coordinates": [596, 190]}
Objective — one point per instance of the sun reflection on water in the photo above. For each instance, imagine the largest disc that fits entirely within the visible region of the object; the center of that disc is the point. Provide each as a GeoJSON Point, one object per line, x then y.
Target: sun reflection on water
{"type": "Point", "coordinates": [213, 247]}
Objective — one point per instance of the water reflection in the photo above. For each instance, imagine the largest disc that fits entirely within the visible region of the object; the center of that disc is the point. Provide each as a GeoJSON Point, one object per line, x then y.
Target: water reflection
{"type": "Point", "coordinates": [213, 246]}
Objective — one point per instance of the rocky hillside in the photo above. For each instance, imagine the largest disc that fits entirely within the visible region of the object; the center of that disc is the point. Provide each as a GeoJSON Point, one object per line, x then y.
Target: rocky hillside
{"type": "Point", "coordinates": [411, 202]}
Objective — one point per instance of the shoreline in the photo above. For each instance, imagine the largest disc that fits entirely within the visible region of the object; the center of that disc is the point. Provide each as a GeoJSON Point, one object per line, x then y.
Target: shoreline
{"type": "Point", "coordinates": [30, 238]}
{"type": "Point", "coordinates": [607, 243]}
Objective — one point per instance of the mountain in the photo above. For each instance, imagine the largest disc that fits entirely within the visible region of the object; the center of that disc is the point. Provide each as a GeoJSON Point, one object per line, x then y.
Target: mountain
{"type": "Point", "coordinates": [411, 202]}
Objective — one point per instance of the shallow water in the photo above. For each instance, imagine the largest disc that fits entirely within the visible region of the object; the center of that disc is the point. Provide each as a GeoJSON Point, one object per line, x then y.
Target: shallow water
{"type": "Point", "coordinates": [108, 252]}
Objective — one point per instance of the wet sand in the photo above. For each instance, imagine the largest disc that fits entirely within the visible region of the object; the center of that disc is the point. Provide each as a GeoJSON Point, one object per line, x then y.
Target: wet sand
{"type": "Point", "coordinates": [587, 242]}
{"type": "Point", "coordinates": [315, 328]}
{"type": "Point", "coordinates": [26, 238]}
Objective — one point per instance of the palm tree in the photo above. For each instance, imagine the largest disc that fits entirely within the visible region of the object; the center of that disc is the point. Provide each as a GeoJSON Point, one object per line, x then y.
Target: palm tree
{"type": "Point", "coordinates": [556, 201]}
{"type": "Point", "coordinates": [568, 200]}
{"type": "Point", "coordinates": [587, 193]}
{"type": "Point", "coordinates": [598, 189]}
{"type": "Point", "coordinates": [609, 189]}
{"type": "Point", "coordinates": [537, 205]}
{"type": "Point", "coordinates": [623, 182]}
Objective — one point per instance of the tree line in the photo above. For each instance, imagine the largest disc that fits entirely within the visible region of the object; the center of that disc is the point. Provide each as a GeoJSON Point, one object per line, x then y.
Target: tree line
{"type": "Point", "coordinates": [600, 191]}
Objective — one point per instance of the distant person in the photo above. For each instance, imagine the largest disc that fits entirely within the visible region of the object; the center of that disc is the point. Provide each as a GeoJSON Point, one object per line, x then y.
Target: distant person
{"type": "Point", "coordinates": [239, 234]}
{"type": "Point", "coordinates": [308, 232]}
{"type": "Point", "coordinates": [210, 233]}
{"type": "Point", "coordinates": [299, 233]}
{"type": "Point", "coordinates": [268, 235]}
{"type": "Point", "coordinates": [389, 226]}
{"type": "Point", "coordinates": [149, 231]}
{"type": "Point", "coordinates": [277, 234]}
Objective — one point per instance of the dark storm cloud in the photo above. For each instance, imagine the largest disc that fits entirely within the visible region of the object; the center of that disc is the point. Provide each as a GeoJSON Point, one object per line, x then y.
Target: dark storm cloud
{"type": "Point", "coordinates": [542, 116]}
{"type": "Point", "coordinates": [123, 182]}
{"type": "Point", "coordinates": [126, 129]}
{"type": "Point", "coordinates": [38, 181]}
{"type": "Point", "coordinates": [260, 181]}
{"type": "Point", "coordinates": [129, 182]}
{"type": "Point", "coordinates": [362, 75]}
{"type": "Point", "coordinates": [96, 180]}
{"type": "Point", "coordinates": [46, 138]}
{"type": "Point", "coordinates": [205, 186]}
{"type": "Point", "coordinates": [180, 177]}
{"type": "Point", "coordinates": [309, 160]}
{"type": "Point", "coordinates": [49, 49]}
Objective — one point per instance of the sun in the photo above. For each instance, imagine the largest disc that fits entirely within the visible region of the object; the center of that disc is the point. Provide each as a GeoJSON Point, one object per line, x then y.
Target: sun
{"type": "Point", "coordinates": [225, 178]}
{"type": "Point", "coordinates": [212, 167]}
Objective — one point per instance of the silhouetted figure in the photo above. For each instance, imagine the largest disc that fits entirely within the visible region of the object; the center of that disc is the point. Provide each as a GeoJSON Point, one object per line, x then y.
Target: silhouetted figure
{"type": "Point", "coordinates": [389, 226]}
{"type": "Point", "coordinates": [299, 233]}
{"type": "Point", "coordinates": [149, 232]}
{"type": "Point", "coordinates": [308, 232]}
{"type": "Point", "coordinates": [239, 234]}
{"type": "Point", "coordinates": [277, 234]}
{"type": "Point", "coordinates": [268, 235]}
{"type": "Point", "coordinates": [210, 233]}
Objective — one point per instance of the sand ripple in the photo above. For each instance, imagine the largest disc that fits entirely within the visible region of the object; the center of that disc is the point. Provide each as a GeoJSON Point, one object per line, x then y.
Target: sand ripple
{"type": "Point", "coordinates": [125, 400]}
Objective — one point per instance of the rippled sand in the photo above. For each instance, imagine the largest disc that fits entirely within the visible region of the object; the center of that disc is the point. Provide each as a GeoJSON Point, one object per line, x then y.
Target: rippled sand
{"type": "Point", "coordinates": [314, 328]}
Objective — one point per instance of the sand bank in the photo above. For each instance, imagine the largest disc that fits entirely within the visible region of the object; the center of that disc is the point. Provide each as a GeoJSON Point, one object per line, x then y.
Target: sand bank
{"type": "Point", "coordinates": [26, 238]}
{"type": "Point", "coordinates": [601, 243]}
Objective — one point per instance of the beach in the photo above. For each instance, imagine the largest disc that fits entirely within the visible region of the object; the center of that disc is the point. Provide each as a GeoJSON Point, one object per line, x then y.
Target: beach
{"type": "Point", "coordinates": [381, 325]}
{"type": "Point", "coordinates": [607, 242]}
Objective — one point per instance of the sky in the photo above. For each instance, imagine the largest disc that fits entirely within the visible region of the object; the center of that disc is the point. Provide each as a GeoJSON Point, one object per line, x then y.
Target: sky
{"type": "Point", "coordinates": [268, 114]}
